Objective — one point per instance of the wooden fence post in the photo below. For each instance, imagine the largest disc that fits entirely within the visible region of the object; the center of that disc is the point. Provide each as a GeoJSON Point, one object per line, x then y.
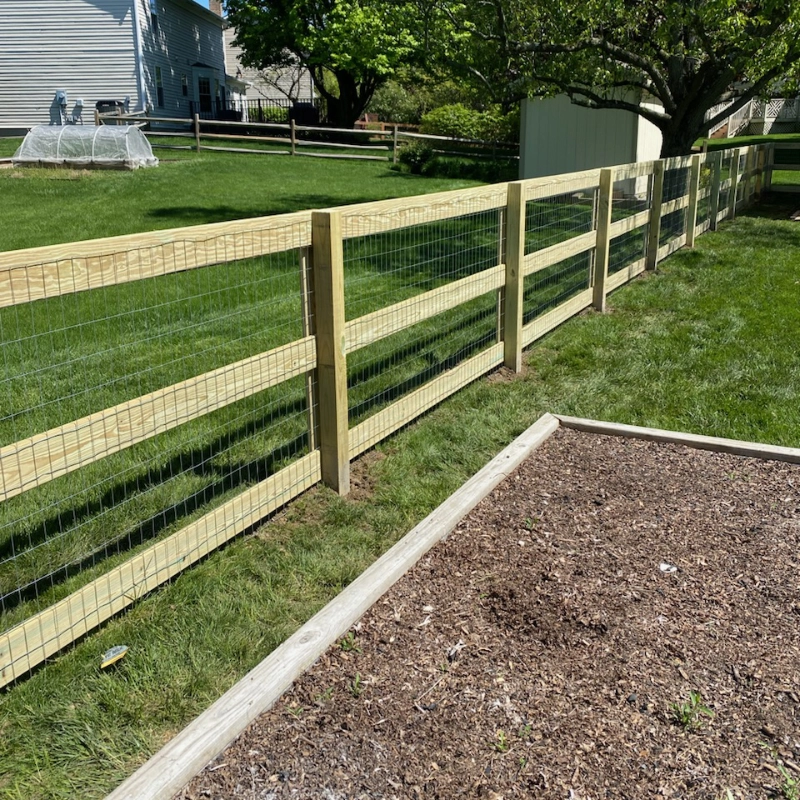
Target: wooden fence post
{"type": "Point", "coordinates": [713, 200]}
{"type": "Point", "coordinates": [760, 162]}
{"type": "Point", "coordinates": [604, 208]}
{"type": "Point", "coordinates": [328, 267]}
{"type": "Point", "coordinates": [197, 132]}
{"type": "Point", "coordinates": [514, 287]}
{"type": "Point", "coordinates": [654, 233]}
{"type": "Point", "coordinates": [735, 157]}
{"type": "Point", "coordinates": [394, 145]}
{"type": "Point", "coordinates": [309, 329]}
{"type": "Point", "coordinates": [293, 136]}
{"type": "Point", "coordinates": [96, 117]}
{"type": "Point", "coordinates": [769, 166]}
{"type": "Point", "coordinates": [694, 192]}
{"type": "Point", "coordinates": [748, 171]}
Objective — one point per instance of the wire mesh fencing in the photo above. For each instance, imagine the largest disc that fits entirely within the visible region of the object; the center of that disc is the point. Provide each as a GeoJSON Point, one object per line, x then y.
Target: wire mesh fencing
{"type": "Point", "coordinates": [408, 273]}
{"type": "Point", "coordinates": [708, 169]}
{"type": "Point", "coordinates": [553, 223]}
{"type": "Point", "coordinates": [726, 175]}
{"type": "Point", "coordinates": [676, 188]}
{"type": "Point", "coordinates": [160, 398]}
{"type": "Point", "coordinates": [630, 197]}
{"type": "Point", "coordinates": [136, 409]}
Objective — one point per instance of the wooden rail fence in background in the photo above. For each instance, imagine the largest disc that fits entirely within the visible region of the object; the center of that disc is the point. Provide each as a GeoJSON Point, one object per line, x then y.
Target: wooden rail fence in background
{"type": "Point", "coordinates": [291, 134]}
{"type": "Point", "coordinates": [317, 237]}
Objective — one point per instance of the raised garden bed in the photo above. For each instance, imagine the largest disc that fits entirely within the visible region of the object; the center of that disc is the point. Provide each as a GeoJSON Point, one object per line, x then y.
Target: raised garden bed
{"type": "Point", "coordinates": [547, 647]}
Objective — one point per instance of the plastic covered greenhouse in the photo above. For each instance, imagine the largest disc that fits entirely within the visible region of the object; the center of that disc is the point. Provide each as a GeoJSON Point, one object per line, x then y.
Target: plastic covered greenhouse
{"type": "Point", "coordinates": [107, 146]}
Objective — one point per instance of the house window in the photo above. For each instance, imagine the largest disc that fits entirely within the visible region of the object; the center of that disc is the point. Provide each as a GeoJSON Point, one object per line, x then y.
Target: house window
{"type": "Point", "coordinates": [184, 86]}
{"type": "Point", "coordinates": [159, 88]}
{"type": "Point", "coordinates": [154, 15]}
{"type": "Point", "coordinates": [204, 93]}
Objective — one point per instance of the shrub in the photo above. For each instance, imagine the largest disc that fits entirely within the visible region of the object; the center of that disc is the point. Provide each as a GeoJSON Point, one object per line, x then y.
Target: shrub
{"type": "Point", "coordinates": [487, 170]}
{"type": "Point", "coordinates": [276, 114]}
{"type": "Point", "coordinates": [461, 122]}
{"type": "Point", "coordinates": [454, 120]}
{"type": "Point", "coordinates": [415, 156]}
{"type": "Point", "coordinates": [394, 102]}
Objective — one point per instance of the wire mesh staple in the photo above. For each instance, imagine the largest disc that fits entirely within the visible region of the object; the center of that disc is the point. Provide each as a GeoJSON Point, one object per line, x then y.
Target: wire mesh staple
{"type": "Point", "coordinates": [188, 360]}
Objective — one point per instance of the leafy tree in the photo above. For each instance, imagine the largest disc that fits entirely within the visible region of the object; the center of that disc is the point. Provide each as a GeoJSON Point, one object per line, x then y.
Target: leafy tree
{"type": "Point", "coordinates": [689, 55]}
{"type": "Point", "coordinates": [357, 43]}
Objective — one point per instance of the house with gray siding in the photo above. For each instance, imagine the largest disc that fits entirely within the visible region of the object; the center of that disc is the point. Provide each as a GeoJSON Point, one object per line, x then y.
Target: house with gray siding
{"type": "Point", "coordinates": [281, 84]}
{"type": "Point", "coordinates": [165, 56]}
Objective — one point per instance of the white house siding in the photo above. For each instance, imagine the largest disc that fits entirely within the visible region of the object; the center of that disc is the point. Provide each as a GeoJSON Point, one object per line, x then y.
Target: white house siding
{"type": "Point", "coordinates": [187, 34]}
{"type": "Point", "coordinates": [82, 46]}
{"type": "Point", "coordinates": [292, 82]}
{"type": "Point", "coordinates": [558, 137]}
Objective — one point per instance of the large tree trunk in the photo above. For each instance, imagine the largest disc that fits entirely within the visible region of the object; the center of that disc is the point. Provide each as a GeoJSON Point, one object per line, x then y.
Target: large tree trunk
{"type": "Point", "coordinates": [679, 138]}
{"type": "Point", "coordinates": [344, 110]}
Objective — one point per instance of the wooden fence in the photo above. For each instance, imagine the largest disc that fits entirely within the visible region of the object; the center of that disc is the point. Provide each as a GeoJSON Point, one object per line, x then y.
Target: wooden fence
{"type": "Point", "coordinates": [301, 140]}
{"type": "Point", "coordinates": [627, 233]}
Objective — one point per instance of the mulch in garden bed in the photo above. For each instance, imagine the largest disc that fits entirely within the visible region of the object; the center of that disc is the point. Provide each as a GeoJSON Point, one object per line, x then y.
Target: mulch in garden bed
{"type": "Point", "coordinates": [618, 619]}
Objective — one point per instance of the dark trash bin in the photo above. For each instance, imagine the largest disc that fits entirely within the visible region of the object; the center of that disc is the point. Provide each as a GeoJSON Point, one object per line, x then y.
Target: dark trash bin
{"type": "Point", "coordinates": [304, 114]}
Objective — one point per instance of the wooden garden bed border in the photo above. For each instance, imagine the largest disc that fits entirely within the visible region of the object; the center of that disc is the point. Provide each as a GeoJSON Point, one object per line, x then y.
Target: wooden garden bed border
{"type": "Point", "coordinates": [169, 770]}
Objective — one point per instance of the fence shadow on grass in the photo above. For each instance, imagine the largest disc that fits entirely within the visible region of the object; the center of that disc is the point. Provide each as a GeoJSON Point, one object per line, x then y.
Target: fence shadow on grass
{"type": "Point", "coordinates": [201, 460]}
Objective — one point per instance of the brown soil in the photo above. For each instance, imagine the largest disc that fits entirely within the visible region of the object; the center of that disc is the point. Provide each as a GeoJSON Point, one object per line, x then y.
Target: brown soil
{"type": "Point", "coordinates": [545, 648]}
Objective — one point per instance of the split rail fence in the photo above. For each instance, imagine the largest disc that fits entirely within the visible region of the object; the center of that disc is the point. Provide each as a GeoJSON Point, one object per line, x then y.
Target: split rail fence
{"type": "Point", "coordinates": [165, 392]}
{"type": "Point", "coordinates": [302, 140]}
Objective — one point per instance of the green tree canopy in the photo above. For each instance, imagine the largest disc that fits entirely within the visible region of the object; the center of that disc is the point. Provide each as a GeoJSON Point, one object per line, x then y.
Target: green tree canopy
{"type": "Point", "coordinates": [350, 47]}
{"type": "Point", "coordinates": [687, 54]}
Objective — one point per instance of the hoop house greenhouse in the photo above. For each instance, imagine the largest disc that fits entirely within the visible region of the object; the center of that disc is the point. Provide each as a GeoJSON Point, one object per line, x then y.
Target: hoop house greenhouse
{"type": "Point", "coordinates": [106, 146]}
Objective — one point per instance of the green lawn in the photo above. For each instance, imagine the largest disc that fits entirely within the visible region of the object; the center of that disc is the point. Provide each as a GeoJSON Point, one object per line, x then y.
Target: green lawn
{"type": "Point", "coordinates": [779, 177]}
{"type": "Point", "coordinates": [52, 206]}
{"type": "Point", "coordinates": [707, 345]}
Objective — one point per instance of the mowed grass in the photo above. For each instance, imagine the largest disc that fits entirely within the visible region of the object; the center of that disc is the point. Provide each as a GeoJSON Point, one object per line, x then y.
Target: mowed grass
{"type": "Point", "coordinates": [51, 206]}
{"type": "Point", "coordinates": [707, 345]}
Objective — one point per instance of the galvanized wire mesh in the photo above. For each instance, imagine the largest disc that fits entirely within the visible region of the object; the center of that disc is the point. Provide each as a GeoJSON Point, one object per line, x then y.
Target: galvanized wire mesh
{"type": "Point", "coordinates": [629, 197]}
{"type": "Point", "coordinates": [676, 186]}
{"type": "Point", "coordinates": [707, 171]}
{"type": "Point", "coordinates": [743, 182]}
{"type": "Point", "coordinates": [387, 267]}
{"type": "Point", "coordinates": [551, 221]}
{"type": "Point", "coordinates": [726, 158]}
{"type": "Point", "coordinates": [85, 353]}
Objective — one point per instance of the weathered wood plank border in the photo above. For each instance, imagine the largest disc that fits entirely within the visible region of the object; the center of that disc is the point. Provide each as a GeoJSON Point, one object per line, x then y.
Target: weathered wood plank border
{"type": "Point", "coordinates": [714, 443]}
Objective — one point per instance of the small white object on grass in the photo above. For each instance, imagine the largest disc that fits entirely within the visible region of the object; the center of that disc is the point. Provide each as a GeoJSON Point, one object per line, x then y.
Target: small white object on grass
{"type": "Point", "coordinates": [113, 655]}
{"type": "Point", "coordinates": [667, 568]}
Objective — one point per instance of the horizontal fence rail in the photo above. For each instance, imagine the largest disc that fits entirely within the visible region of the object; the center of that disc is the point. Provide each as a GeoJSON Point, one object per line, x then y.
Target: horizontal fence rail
{"type": "Point", "coordinates": [165, 392]}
